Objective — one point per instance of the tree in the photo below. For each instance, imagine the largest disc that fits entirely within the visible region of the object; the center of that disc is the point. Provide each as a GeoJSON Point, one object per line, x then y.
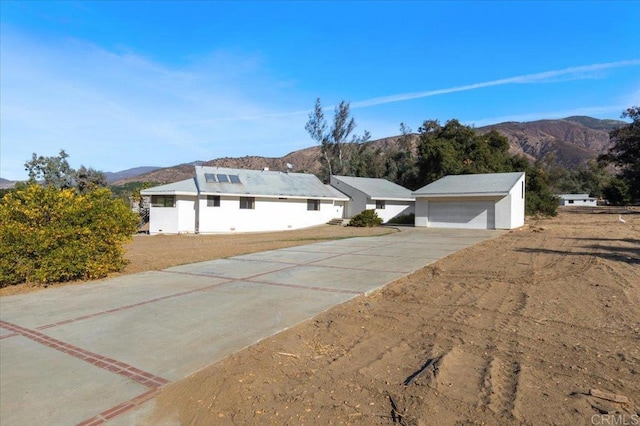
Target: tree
{"type": "Point", "coordinates": [52, 171]}
{"type": "Point", "coordinates": [338, 144]}
{"type": "Point", "coordinates": [617, 192]}
{"type": "Point", "coordinates": [625, 152]}
{"type": "Point", "coordinates": [87, 179]}
{"type": "Point", "coordinates": [455, 149]}
{"type": "Point", "coordinates": [56, 172]}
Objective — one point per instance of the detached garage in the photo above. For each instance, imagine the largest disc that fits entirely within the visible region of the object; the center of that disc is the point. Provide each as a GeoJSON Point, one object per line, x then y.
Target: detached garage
{"type": "Point", "coordinates": [480, 201]}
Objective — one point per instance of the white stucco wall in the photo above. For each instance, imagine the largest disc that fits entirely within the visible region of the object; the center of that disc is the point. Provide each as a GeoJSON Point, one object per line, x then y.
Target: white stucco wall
{"type": "Point", "coordinates": [173, 220]}
{"type": "Point", "coordinates": [269, 214]}
{"type": "Point", "coordinates": [392, 209]}
{"type": "Point", "coordinates": [517, 197]}
{"type": "Point", "coordinates": [581, 202]}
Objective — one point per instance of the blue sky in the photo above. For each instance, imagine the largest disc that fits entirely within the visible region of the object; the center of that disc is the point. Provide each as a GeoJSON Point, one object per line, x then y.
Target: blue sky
{"type": "Point", "coordinates": [123, 84]}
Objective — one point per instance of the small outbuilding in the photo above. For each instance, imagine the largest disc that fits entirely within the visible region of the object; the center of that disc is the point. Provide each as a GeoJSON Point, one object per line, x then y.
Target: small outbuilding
{"type": "Point", "coordinates": [478, 201]}
{"type": "Point", "coordinates": [582, 200]}
{"type": "Point", "coordinates": [386, 198]}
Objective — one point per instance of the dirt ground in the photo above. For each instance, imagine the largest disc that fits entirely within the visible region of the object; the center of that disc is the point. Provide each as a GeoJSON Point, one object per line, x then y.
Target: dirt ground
{"type": "Point", "coordinates": [148, 253]}
{"type": "Point", "coordinates": [516, 330]}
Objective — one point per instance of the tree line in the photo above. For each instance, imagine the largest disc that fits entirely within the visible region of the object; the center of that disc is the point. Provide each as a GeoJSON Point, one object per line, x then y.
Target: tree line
{"type": "Point", "coordinates": [453, 148]}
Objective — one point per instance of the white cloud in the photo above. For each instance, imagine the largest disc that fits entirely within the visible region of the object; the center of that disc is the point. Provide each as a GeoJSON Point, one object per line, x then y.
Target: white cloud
{"type": "Point", "coordinates": [115, 110]}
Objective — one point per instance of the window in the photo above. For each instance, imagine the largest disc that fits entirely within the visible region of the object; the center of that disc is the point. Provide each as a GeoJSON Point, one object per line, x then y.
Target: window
{"type": "Point", "coordinates": [163, 200]}
{"type": "Point", "coordinates": [234, 179]}
{"type": "Point", "coordinates": [380, 204]}
{"type": "Point", "coordinates": [570, 201]}
{"type": "Point", "coordinates": [523, 190]}
{"type": "Point", "coordinates": [213, 201]}
{"type": "Point", "coordinates": [210, 178]}
{"type": "Point", "coordinates": [247, 203]}
{"type": "Point", "coordinates": [313, 205]}
{"type": "Point", "coordinates": [222, 178]}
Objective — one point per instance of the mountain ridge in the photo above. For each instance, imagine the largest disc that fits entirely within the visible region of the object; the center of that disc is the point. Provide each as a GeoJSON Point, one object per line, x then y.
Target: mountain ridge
{"type": "Point", "coordinates": [573, 140]}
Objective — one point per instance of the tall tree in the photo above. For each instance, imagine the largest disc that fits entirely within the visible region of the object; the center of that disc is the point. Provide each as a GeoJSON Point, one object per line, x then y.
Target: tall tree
{"type": "Point", "coordinates": [56, 172]}
{"type": "Point", "coordinates": [455, 149]}
{"type": "Point", "coordinates": [52, 171]}
{"type": "Point", "coordinates": [338, 144]}
{"type": "Point", "coordinates": [88, 179]}
{"type": "Point", "coordinates": [625, 152]}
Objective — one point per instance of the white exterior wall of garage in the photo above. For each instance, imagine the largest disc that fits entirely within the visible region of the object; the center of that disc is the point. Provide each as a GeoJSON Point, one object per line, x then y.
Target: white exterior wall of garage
{"type": "Point", "coordinates": [494, 209]}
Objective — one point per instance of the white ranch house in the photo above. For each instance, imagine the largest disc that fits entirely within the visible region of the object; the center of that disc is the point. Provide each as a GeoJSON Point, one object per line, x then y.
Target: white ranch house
{"type": "Point", "coordinates": [479, 201]}
{"type": "Point", "coordinates": [577, 200]}
{"type": "Point", "coordinates": [224, 200]}
{"type": "Point", "coordinates": [386, 198]}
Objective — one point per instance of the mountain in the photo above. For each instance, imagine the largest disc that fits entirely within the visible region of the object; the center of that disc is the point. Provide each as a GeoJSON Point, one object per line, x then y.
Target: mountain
{"type": "Point", "coordinates": [129, 173]}
{"type": "Point", "coordinates": [573, 140]}
{"type": "Point", "coordinates": [6, 183]}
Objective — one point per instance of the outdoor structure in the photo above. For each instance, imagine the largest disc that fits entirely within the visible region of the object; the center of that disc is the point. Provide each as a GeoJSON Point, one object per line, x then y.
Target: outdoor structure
{"type": "Point", "coordinates": [223, 200]}
{"type": "Point", "coordinates": [577, 200]}
{"type": "Point", "coordinates": [479, 201]}
{"type": "Point", "coordinates": [386, 198]}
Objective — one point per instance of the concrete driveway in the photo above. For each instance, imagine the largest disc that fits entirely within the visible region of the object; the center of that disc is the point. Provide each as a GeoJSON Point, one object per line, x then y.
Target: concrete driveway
{"type": "Point", "coordinates": [95, 353]}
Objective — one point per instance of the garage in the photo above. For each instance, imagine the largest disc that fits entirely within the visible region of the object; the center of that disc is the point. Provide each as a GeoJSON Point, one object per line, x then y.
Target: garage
{"type": "Point", "coordinates": [462, 214]}
{"type": "Point", "coordinates": [477, 201]}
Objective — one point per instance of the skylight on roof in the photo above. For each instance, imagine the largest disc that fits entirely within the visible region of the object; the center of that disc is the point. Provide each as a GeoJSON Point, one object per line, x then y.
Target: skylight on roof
{"type": "Point", "coordinates": [210, 177]}
{"type": "Point", "coordinates": [222, 178]}
{"type": "Point", "coordinates": [234, 179]}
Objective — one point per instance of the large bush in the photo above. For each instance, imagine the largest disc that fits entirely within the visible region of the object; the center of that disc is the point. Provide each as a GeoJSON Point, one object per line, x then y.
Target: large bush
{"type": "Point", "coordinates": [49, 234]}
{"type": "Point", "coordinates": [368, 218]}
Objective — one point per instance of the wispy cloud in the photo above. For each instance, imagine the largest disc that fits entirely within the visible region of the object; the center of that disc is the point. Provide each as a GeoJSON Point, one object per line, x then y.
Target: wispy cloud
{"type": "Point", "coordinates": [571, 73]}
{"type": "Point", "coordinates": [567, 74]}
{"type": "Point", "coordinates": [117, 109]}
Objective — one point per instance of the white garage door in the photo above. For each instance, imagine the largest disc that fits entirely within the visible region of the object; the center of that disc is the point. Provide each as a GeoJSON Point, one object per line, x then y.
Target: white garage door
{"type": "Point", "coordinates": [462, 214]}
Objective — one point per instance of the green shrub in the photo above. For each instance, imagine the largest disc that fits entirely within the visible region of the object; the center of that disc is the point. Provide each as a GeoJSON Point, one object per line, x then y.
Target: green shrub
{"type": "Point", "coordinates": [404, 219]}
{"type": "Point", "coordinates": [368, 218]}
{"type": "Point", "coordinates": [51, 235]}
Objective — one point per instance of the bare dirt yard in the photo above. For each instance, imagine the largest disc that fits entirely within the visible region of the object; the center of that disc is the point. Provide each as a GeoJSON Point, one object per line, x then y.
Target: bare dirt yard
{"type": "Point", "coordinates": [148, 253]}
{"type": "Point", "coordinates": [523, 329]}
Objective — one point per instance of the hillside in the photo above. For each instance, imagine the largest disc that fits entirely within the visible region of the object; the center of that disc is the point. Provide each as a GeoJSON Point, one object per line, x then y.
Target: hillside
{"type": "Point", "coordinates": [124, 174]}
{"type": "Point", "coordinates": [6, 183]}
{"type": "Point", "coordinates": [573, 140]}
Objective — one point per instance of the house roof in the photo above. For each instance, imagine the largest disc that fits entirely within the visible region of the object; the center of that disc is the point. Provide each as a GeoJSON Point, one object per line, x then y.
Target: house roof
{"type": "Point", "coordinates": [183, 187]}
{"type": "Point", "coordinates": [486, 184]}
{"type": "Point", "coordinates": [376, 189]}
{"type": "Point", "coordinates": [576, 197]}
{"type": "Point", "coordinates": [339, 195]}
{"type": "Point", "coordinates": [262, 183]}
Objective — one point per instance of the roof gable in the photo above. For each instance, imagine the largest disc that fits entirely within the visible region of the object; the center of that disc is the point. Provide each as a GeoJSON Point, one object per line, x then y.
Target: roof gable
{"type": "Point", "coordinates": [376, 188]}
{"type": "Point", "coordinates": [471, 185]}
